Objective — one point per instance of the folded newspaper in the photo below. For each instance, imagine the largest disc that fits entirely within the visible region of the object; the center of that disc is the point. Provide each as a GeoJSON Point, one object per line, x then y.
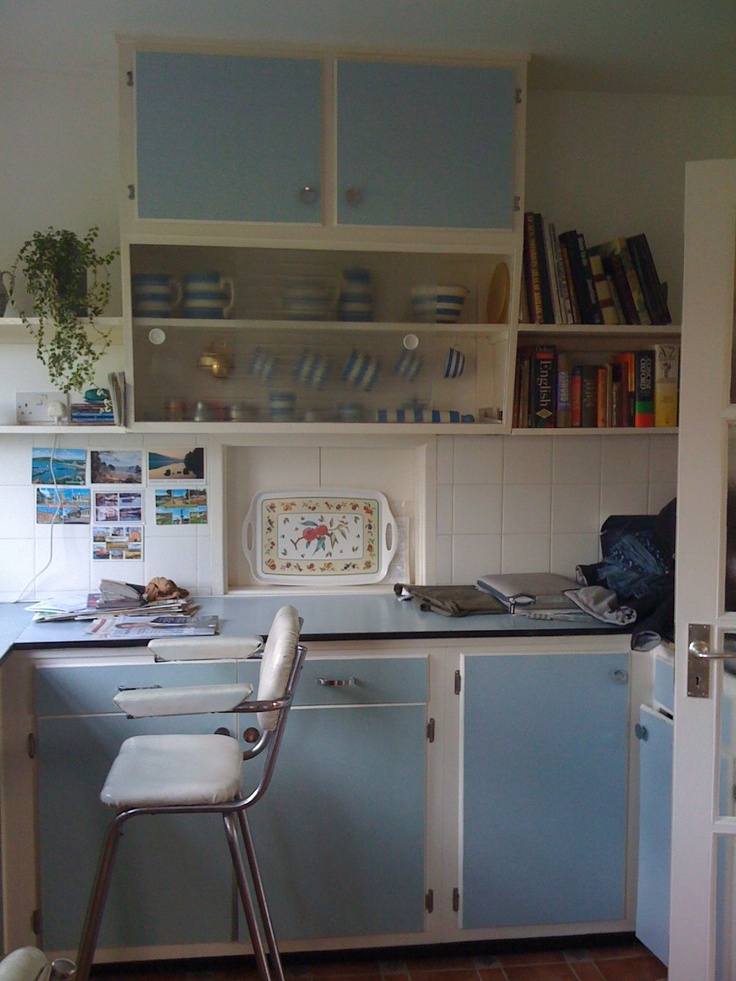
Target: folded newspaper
{"type": "Point", "coordinates": [146, 628]}
{"type": "Point", "coordinates": [529, 590]}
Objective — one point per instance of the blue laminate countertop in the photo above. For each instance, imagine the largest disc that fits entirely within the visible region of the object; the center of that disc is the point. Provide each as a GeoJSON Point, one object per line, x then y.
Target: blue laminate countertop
{"type": "Point", "coordinates": [353, 616]}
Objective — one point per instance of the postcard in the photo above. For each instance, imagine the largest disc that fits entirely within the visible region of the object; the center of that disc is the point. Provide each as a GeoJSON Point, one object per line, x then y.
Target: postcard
{"type": "Point", "coordinates": [117, 542]}
{"type": "Point", "coordinates": [116, 466]}
{"type": "Point", "coordinates": [118, 506]}
{"type": "Point", "coordinates": [62, 506]}
{"type": "Point", "coordinates": [58, 466]}
{"type": "Point", "coordinates": [181, 506]}
{"type": "Point", "coordinates": [176, 463]}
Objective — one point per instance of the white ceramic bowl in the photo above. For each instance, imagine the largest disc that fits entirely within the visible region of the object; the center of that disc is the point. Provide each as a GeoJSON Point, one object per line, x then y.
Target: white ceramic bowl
{"type": "Point", "coordinates": [438, 304]}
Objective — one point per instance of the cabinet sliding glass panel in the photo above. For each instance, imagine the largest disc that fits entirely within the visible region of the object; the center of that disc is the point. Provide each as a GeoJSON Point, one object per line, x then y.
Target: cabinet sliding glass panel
{"type": "Point", "coordinates": [425, 145]}
{"type": "Point", "coordinates": [228, 137]}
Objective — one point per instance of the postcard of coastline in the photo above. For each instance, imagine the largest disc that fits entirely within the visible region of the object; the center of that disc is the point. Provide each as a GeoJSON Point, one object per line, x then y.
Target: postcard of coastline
{"type": "Point", "coordinates": [176, 463]}
{"type": "Point", "coordinates": [58, 466]}
{"type": "Point", "coordinates": [116, 466]}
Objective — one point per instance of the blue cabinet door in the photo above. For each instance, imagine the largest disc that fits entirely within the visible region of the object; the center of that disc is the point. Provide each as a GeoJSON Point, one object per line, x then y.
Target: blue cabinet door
{"type": "Point", "coordinates": [227, 137]}
{"type": "Point", "coordinates": [341, 831]}
{"type": "Point", "coordinates": [544, 789]}
{"type": "Point", "coordinates": [655, 831]}
{"type": "Point", "coordinates": [165, 864]}
{"type": "Point", "coordinates": [425, 145]}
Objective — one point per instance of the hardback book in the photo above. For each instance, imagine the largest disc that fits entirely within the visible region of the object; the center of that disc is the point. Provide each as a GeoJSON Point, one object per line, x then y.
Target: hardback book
{"type": "Point", "coordinates": [666, 383]}
{"type": "Point", "coordinates": [523, 376]}
{"type": "Point", "coordinates": [554, 286]}
{"type": "Point", "coordinates": [603, 289]}
{"type": "Point", "coordinates": [603, 395]}
{"type": "Point", "coordinates": [582, 282]}
{"type": "Point", "coordinates": [644, 389]}
{"type": "Point", "coordinates": [589, 397]}
{"type": "Point", "coordinates": [618, 250]}
{"type": "Point", "coordinates": [618, 396]}
{"type": "Point", "coordinates": [563, 406]}
{"type": "Point", "coordinates": [655, 292]}
{"type": "Point", "coordinates": [628, 375]}
{"type": "Point", "coordinates": [563, 290]}
{"type": "Point", "coordinates": [572, 295]}
{"type": "Point", "coordinates": [542, 393]}
{"type": "Point", "coordinates": [535, 270]}
{"type": "Point", "coordinates": [576, 396]}
{"type": "Point", "coordinates": [595, 309]}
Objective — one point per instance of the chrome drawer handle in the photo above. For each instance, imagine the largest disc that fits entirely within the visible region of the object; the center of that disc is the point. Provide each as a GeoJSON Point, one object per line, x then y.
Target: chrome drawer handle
{"type": "Point", "coordinates": [335, 682]}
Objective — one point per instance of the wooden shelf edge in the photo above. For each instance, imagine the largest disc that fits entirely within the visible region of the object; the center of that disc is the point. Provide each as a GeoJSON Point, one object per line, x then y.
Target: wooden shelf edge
{"type": "Point", "coordinates": [618, 431]}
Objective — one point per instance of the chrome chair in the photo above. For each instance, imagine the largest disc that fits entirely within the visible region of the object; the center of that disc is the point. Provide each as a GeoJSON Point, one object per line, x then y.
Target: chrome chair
{"type": "Point", "coordinates": [31, 964]}
{"type": "Point", "coordinates": [190, 774]}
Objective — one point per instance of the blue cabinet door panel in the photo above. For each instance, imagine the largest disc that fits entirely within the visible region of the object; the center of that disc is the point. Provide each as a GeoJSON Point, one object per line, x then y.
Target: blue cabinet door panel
{"type": "Point", "coordinates": [227, 138]}
{"type": "Point", "coordinates": [165, 865]}
{"type": "Point", "coordinates": [426, 145]}
{"type": "Point", "coordinates": [340, 834]}
{"type": "Point", "coordinates": [544, 789]}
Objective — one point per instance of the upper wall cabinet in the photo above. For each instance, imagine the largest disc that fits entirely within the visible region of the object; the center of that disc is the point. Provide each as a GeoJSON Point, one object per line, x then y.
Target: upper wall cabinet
{"type": "Point", "coordinates": [227, 138]}
{"type": "Point", "coordinates": [425, 145]}
{"type": "Point", "coordinates": [321, 140]}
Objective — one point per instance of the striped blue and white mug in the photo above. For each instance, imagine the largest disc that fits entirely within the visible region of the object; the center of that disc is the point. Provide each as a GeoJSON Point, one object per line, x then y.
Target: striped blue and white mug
{"type": "Point", "coordinates": [361, 369]}
{"type": "Point", "coordinates": [155, 294]}
{"type": "Point", "coordinates": [455, 364]}
{"type": "Point", "coordinates": [208, 295]}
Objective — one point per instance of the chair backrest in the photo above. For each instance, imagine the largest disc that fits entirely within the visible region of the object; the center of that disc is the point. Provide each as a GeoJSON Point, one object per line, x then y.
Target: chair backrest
{"type": "Point", "coordinates": [278, 660]}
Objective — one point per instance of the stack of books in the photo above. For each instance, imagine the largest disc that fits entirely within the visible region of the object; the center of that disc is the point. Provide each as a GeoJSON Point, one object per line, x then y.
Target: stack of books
{"type": "Point", "coordinates": [91, 414]}
{"type": "Point", "coordinates": [567, 282]}
{"type": "Point", "coordinates": [559, 389]}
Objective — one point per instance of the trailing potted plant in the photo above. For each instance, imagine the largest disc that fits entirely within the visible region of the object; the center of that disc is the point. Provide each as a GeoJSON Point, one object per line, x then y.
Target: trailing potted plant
{"type": "Point", "coordinates": [68, 282]}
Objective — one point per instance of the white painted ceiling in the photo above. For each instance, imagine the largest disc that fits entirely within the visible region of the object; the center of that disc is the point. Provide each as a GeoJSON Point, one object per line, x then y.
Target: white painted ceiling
{"type": "Point", "coordinates": [652, 46]}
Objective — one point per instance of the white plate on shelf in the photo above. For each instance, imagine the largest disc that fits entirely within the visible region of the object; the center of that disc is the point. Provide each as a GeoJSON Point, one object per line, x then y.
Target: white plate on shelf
{"type": "Point", "coordinates": [320, 537]}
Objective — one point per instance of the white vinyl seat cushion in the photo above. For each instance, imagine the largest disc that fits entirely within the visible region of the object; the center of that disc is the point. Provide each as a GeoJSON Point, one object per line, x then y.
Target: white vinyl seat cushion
{"type": "Point", "coordinates": [25, 964]}
{"type": "Point", "coordinates": [169, 770]}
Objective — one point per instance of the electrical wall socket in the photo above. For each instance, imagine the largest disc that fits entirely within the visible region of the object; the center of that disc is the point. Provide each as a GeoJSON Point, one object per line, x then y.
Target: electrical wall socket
{"type": "Point", "coordinates": [40, 408]}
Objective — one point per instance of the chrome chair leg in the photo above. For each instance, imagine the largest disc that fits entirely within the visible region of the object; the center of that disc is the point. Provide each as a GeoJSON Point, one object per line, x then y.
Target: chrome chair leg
{"type": "Point", "coordinates": [260, 892]}
{"type": "Point", "coordinates": [268, 961]}
{"type": "Point", "coordinates": [98, 898]}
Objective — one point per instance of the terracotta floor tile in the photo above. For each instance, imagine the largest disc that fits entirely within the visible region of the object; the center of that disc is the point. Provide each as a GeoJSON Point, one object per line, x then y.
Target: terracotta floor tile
{"type": "Point", "coordinates": [347, 968]}
{"type": "Point", "coordinates": [439, 974]}
{"type": "Point", "coordinates": [532, 957]}
{"type": "Point", "coordinates": [439, 964]}
{"type": "Point", "coordinates": [643, 968]}
{"type": "Point", "coordinates": [540, 972]}
{"type": "Point", "coordinates": [634, 949]}
{"type": "Point", "coordinates": [491, 974]}
{"type": "Point", "coordinates": [586, 971]}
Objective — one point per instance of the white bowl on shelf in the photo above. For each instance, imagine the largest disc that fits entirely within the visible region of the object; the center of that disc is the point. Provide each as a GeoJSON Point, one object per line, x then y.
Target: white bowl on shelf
{"type": "Point", "coordinates": [438, 304]}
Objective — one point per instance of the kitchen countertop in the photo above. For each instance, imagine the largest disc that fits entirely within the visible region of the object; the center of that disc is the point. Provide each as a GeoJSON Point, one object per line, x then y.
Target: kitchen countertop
{"type": "Point", "coordinates": [349, 616]}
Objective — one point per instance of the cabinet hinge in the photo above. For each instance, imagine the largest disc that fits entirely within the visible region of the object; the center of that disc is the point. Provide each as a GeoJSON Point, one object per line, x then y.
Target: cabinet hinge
{"type": "Point", "coordinates": [430, 731]}
{"type": "Point", "coordinates": [517, 202]}
{"type": "Point", "coordinates": [518, 95]}
{"type": "Point", "coordinates": [429, 900]}
{"type": "Point", "coordinates": [129, 79]}
{"type": "Point", "coordinates": [131, 192]}
{"type": "Point", "coordinates": [455, 900]}
{"type": "Point", "coordinates": [458, 682]}
{"type": "Point", "coordinates": [36, 922]}
{"type": "Point", "coordinates": [31, 745]}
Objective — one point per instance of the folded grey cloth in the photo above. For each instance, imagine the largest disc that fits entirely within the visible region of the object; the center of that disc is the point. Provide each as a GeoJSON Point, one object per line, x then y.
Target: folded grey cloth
{"type": "Point", "coordinates": [602, 604]}
{"type": "Point", "coordinates": [450, 601]}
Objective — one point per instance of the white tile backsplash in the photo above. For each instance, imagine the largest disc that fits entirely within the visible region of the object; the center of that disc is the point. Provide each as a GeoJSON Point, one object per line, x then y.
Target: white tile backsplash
{"type": "Point", "coordinates": [494, 504]}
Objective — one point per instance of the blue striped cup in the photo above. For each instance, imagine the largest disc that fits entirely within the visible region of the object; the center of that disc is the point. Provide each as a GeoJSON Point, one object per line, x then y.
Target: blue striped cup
{"type": "Point", "coordinates": [455, 364]}
{"type": "Point", "coordinates": [208, 295]}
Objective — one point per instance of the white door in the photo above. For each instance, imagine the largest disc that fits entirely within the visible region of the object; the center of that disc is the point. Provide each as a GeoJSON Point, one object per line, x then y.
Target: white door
{"type": "Point", "coordinates": [704, 828]}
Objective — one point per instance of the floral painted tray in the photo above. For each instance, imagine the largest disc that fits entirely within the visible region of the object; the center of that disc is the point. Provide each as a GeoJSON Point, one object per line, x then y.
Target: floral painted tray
{"type": "Point", "coordinates": [319, 537]}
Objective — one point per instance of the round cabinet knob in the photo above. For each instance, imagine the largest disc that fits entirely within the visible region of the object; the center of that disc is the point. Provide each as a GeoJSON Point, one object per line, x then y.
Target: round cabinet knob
{"type": "Point", "coordinates": [354, 196]}
{"type": "Point", "coordinates": [308, 194]}
{"type": "Point", "coordinates": [641, 732]}
{"type": "Point", "coordinates": [619, 676]}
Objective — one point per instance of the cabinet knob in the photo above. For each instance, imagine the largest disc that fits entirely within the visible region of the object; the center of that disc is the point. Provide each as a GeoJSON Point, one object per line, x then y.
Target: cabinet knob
{"type": "Point", "coordinates": [354, 196]}
{"type": "Point", "coordinates": [308, 194]}
{"type": "Point", "coordinates": [620, 677]}
{"type": "Point", "coordinates": [335, 682]}
{"type": "Point", "coordinates": [641, 732]}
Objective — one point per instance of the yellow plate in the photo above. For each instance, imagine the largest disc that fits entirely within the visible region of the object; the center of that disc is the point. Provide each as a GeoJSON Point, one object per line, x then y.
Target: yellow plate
{"type": "Point", "coordinates": [498, 295]}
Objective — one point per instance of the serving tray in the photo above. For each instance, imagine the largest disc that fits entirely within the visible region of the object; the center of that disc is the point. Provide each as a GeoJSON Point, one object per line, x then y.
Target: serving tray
{"type": "Point", "coordinates": [320, 537]}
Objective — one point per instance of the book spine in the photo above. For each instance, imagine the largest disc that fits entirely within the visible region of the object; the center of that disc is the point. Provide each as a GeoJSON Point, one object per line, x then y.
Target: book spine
{"type": "Point", "coordinates": [618, 396]}
{"type": "Point", "coordinates": [566, 314]}
{"type": "Point", "coordinates": [574, 305]}
{"type": "Point", "coordinates": [531, 271]}
{"type": "Point", "coordinates": [545, 282]}
{"type": "Point", "coordinates": [644, 389]}
{"type": "Point", "coordinates": [578, 276]}
{"type": "Point", "coordinates": [576, 396]}
{"type": "Point", "coordinates": [554, 288]}
{"type": "Point", "coordinates": [628, 379]}
{"type": "Point", "coordinates": [521, 409]}
{"type": "Point", "coordinates": [654, 292]}
{"type": "Point", "coordinates": [543, 387]}
{"type": "Point", "coordinates": [563, 415]}
{"type": "Point", "coordinates": [603, 289]}
{"type": "Point", "coordinates": [637, 295]}
{"type": "Point", "coordinates": [589, 397]}
{"type": "Point", "coordinates": [666, 384]}
{"type": "Point", "coordinates": [596, 317]}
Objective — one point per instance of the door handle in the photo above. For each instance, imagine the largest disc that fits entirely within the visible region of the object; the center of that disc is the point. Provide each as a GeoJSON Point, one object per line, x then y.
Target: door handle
{"type": "Point", "coordinates": [698, 656]}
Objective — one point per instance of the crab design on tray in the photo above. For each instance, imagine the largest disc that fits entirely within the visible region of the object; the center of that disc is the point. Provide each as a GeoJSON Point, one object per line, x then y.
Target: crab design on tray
{"type": "Point", "coordinates": [326, 533]}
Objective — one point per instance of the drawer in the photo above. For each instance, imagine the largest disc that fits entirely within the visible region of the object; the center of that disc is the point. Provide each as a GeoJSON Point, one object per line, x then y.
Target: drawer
{"type": "Point", "coordinates": [89, 689]}
{"type": "Point", "coordinates": [357, 681]}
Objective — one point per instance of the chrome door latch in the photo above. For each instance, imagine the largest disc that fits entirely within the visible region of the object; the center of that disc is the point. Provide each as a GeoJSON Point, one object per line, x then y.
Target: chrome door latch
{"type": "Point", "coordinates": [699, 654]}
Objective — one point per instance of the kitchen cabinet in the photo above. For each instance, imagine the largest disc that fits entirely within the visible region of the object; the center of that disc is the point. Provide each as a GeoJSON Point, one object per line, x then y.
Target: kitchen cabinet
{"type": "Point", "coordinates": [79, 731]}
{"type": "Point", "coordinates": [221, 137]}
{"type": "Point", "coordinates": [544, 771]}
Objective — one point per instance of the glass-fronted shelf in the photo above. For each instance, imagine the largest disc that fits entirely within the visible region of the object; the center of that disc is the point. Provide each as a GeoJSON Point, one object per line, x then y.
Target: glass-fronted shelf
{"type": "Point", "coordinates": [284, 336]}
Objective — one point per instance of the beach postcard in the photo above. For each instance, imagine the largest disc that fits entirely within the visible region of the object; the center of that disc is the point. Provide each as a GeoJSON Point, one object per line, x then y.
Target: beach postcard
{"type": "Point", "coordinates": [62, 506]}
{"type": "Point", "coordinates": [116, 466]}
{"type": "Point", "coordinates": [176, 463]}
{"type": "Point", "coordinates": [58, 466]}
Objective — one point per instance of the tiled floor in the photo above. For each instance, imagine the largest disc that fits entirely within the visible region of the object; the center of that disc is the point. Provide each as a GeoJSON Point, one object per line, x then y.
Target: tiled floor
{"type": "Point", "coordinates": [628, 962]}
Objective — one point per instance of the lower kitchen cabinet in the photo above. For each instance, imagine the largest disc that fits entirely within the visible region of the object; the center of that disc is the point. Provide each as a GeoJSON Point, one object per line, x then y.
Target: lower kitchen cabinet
{"type": "Point", "coordinates": [544, 776]}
